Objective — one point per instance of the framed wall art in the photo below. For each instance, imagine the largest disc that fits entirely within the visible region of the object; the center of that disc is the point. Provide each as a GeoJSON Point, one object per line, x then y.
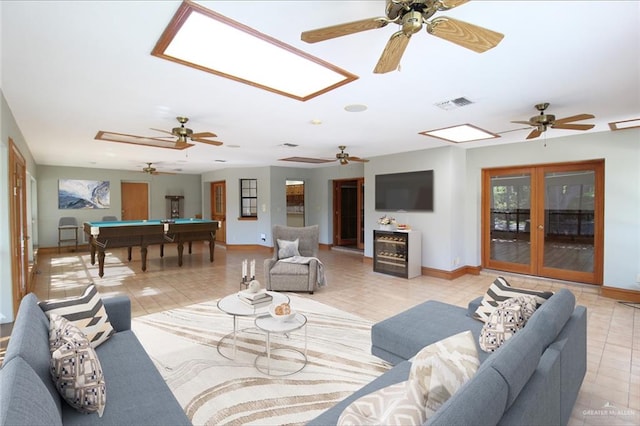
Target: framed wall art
{"type": "Point", "coordinates": [83, 194]}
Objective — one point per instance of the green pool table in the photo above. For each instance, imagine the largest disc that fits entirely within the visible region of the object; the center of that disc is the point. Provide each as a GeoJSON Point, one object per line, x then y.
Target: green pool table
{"type": "Point", "coordinates": [132, 233]}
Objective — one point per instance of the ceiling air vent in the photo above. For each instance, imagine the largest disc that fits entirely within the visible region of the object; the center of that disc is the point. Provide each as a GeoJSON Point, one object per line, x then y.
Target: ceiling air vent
{"type": "Point", "coordinates": [289, 145]}
{"type": "Point", "coordinates": [453, 103]}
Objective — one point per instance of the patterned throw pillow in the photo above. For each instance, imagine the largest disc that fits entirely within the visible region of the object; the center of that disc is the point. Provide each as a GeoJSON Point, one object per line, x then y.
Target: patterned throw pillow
{"type": "Point", "coordinates": [443, 367]}
{"type": "Point", "coordinates": [499, 291]}
{"type": "Point", "coordinates": [398, 404]}
{"type": "Point", "coordinates": [505, 320]}
{"type": "Point", "coordinates": [75, 367]}
{"type": "Point", "coordinates": [288, 248]}
{"type": "Point", "coordinates": [87, 312]}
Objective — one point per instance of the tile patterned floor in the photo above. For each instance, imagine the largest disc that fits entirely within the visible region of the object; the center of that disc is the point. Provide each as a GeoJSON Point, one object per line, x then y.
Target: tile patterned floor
{"type": "Point", "coordinates": [611, 390]}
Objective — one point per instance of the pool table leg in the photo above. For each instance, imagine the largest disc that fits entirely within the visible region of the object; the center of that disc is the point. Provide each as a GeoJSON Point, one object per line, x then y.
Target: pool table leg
{"type": "Point", "coordinates": [143, 254]}
{"type": "Point", "coordinates": [129, 253]}
{"type": "Point", "coordinates": [180, 252]}
{"type": "Point", "coordinates": [101, 263]}
{"type": "Point", "coordinates": [212, 244]}
{"type": "Point", "coordinates": [161, 250]}
{"type": "Point", "coordinates": [93, 254]}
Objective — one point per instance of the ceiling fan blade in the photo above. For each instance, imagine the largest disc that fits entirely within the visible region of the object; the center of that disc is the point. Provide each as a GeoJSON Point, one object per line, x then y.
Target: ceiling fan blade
{"type": "Point", "coordinates": [534, 134]}
{"type": "Point", "coordinates": [573, 118]}
{"type": "Point", "coordinates": [392, 53]}
{"type": "Point", "coordinates": [163, 131]}
{"type": "Point", "coordinates": [569, 126]}
{"type": "Point", "coordinates": [207, 141]}
{"type": "Point", "coordinates": [522, 122]}
{"type": "Point", "coordinates": [362, 160]}
{"type": "Point", "coordinates": [450, 4]}
{"type": "Point", "coordinates": [204, 135]}
{"type": "Point", "coordinates": [327, 33]}
{"type": "Point", "coordinates": [463, 34]}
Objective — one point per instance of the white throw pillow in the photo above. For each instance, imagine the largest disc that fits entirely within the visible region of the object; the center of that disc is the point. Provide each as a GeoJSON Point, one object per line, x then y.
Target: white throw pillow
{"type": "Point", "coordinates": [441, 368]}
{"type": "Point", "coordinates": [398, 404]}
{"type": "Point", "coordinates": [287, 248]}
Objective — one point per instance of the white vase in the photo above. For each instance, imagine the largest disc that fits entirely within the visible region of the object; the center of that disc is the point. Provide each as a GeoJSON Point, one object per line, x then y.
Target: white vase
{"type": "Point", "coordinates": [389, 227]}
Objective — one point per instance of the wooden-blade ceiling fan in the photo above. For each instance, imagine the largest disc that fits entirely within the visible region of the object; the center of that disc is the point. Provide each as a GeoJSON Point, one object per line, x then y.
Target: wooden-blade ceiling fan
{"type": "Point", "coordinates": [344, 158]}
{"type": "Point", "coordinates": [541, 122]}
{"type": "Point", "coordinates": [153, 171]}
{"type": "Point", "coordinates": [184, 134]}
{"type": "Point", "coordinates": [411, 15]}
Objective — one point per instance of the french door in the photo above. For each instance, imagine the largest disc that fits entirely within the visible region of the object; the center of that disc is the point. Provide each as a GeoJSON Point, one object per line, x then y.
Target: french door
{"type": "Point", "coordinates": [219, 209]}
{"type": "Point", "coordinates": [545, 220]}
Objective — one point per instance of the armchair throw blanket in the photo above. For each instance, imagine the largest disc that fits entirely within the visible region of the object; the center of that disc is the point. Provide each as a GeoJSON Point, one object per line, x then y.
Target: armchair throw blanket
{"type": "Point", "coordinates": [321, 279]}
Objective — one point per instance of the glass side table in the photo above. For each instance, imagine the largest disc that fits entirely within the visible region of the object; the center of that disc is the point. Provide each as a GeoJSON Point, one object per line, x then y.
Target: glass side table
{"type": "Point", "coordinates": [233, 306]}
{"type": "Point", "coordinates": [282, 360]}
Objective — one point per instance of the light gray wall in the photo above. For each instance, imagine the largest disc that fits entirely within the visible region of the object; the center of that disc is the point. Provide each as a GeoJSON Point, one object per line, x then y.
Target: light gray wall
{"type": "Point", "coordinates": [159, 187]}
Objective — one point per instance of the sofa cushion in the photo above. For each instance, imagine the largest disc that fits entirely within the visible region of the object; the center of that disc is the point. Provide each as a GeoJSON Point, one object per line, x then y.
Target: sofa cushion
{"type": "Point", "coordinates": [24, 399]}
{"type": "Point", "coordinates": [86, 312]}
{"type": "Point", "coordinates": [75, 367]}
{"type": "Point", "coordinates": [508, 317]}
{"type": "Point", "coordinates": [398, 404]}
{"type": "Point", "coordinates": [551, 317]}
{"type": "Point", "coordinates": [138, 395]}
{"type": "Point", "coordinates": [401, 336]}
{"type": "Point", "coordinates": [30, 341]}
{"type": "Point", "coordinates": [499, 291]}
{"type": "Point", "coordinates": [443, 367]}
{"type": "Point", "coordinates": [288, 248]}
{"type": "Point", "coordinates": [288, 268]}
{"type": "Point", "coordinates": [397, 374]}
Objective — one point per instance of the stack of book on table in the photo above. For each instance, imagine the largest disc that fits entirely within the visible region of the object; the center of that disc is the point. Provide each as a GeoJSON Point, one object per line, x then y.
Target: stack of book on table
{"type": "Point", "coordinates": [259, 299]}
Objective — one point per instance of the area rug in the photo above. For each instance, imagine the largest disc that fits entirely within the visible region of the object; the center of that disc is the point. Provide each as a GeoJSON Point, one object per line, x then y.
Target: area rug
{"type": "Point", "coordinates": [187, 346]}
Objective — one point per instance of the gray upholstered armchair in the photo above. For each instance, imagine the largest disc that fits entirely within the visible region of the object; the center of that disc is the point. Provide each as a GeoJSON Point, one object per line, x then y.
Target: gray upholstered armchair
{"type": "Point", "coordinates": [288, 276]}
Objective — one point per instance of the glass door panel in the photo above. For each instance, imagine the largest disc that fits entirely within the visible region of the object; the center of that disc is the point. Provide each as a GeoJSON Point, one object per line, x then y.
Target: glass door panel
{"type": "Point", "coordinates": [569, 215]}
{"type": "Point", "coordinates": [510, 218]}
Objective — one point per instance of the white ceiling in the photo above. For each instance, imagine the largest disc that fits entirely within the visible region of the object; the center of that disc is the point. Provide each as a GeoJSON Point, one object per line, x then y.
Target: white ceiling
{"type": "Point", "coordinates": [70, 69]}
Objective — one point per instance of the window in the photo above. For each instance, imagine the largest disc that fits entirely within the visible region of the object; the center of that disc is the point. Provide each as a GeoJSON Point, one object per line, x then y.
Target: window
{"type": "Point", "coordinates": [248, 198]}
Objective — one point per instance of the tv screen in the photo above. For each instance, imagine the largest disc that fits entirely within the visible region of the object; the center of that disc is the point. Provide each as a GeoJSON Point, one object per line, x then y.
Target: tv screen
{"type": "Point", "coordinates": [410, 191]}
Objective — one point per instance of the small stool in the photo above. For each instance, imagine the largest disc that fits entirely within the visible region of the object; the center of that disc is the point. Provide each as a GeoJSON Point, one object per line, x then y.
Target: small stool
{"type": "Point", "coordinates": [65, 226]}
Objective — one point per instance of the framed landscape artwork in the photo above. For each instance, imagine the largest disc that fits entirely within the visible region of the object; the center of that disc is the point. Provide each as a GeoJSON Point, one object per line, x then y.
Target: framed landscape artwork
{"type": "Point", "coordinates": [83, 194]}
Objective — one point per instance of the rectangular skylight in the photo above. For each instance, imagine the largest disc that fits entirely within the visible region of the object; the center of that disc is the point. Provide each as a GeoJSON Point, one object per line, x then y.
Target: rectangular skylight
{"type": "Point", "coordinates": [625, 124]}
{"type": "Point", "coordinates": [461, 133]}
{"type": "Point", "coordinates": [205, 40]}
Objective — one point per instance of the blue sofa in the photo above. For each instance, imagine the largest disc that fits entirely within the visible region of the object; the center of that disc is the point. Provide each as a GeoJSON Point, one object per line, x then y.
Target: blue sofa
{"type": "Point", "coordinates": [532, 379]}
{"type": "Point", "coordinates": [136, 392]}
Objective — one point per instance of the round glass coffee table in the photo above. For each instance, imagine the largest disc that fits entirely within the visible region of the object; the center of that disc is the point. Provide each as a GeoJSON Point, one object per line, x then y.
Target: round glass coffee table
{"type": "Point", "coordinates": [283, 360]}
{"type": "Point", "coordinates": [232, 305]}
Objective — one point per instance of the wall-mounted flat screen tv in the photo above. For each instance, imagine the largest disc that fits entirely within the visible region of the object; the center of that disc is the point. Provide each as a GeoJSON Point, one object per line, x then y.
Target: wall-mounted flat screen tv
{"type": "Point", "coordinates": [410, 191]}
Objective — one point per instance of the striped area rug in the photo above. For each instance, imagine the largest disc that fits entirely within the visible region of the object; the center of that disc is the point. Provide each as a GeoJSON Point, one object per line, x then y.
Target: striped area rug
{"type": "Point", "coordinates": [214, 390]}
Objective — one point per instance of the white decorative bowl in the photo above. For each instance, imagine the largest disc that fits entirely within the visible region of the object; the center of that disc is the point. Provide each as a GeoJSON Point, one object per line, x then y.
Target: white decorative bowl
{"type": "Point", "coordinates": [272, 311]}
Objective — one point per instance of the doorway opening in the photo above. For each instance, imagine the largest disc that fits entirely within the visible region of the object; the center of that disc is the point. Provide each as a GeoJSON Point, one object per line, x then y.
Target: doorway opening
{"type": "Point", "coordinates": [295, 203]}
{"type": "Point", "coordinates": [348, 217]}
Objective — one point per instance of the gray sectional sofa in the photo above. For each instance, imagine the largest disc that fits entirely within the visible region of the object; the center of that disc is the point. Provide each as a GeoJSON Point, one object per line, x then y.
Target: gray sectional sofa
{"type": "Point", "coordinates": [136, 392]}
{"type": "Point", "coordinates": [532, 379]}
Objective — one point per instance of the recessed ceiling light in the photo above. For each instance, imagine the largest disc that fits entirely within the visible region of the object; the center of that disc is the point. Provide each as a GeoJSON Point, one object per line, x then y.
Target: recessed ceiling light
{"type": "Point", "coordinates": [625, 124]}
{"type": "Point", "coordinates": [355, 108]}
{"type": "Point", "coordinates": [205, 40]}
{"type": "Point", "coordinates": [316, 121]}
{"type": "Point", "coordinates": [461, 133]}
{"type": "Point", "coordinates": [232, 146]}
